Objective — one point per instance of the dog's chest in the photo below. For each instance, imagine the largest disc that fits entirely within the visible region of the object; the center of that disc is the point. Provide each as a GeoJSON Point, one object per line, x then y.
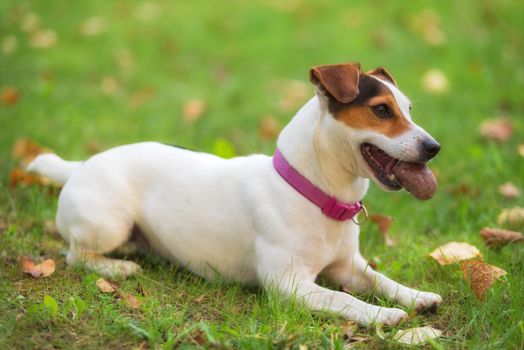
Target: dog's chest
{"type": "Point", "coordinates": [331, 245]}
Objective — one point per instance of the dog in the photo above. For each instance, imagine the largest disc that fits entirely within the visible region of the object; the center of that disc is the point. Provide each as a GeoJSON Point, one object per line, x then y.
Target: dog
{"type": "Point", "coordinates": [276, 221]}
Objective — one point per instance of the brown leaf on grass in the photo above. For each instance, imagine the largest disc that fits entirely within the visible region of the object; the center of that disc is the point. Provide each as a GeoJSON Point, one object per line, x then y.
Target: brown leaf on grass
{"type": "Point", "coordinates": [498, 129]}
{"type": "Point", "coordinates": [497, 237]}
{"type": "Point", "coordinates": [509, 190]}
{"type": "Point", "coordinates": [19, 176]}
{"type": "Point", "coordinates": [383, 222]}
{"type": "Point", "coordinates": [9, 95]}
{"type": "Point", "coordinates": [198, 337]}
{"type": "Point", "coordinates": [453, 252]}
{"type": "Point", "coordinates": [417, 335]}
{"type": "Point", "coordinates": [193, 110]}
{"type": "Point", "coordinates": [435, 81]}
{"type": "Point", "coordinates": [512, 217]}
{"type": "Point", "coordinates": [25, 150]}
{"type": "Point", "coordinates": [44, 269]}
{"type": "Point", "coordinates": [269, 128]}
{"type": "Point", "coordinates": [106, 286]}
{"type": "Point", "coordinates": [349, 328]}
{"type": "Point", "coordinates": [130, 300]}
{"type": "Point", "coordinates": [480, 275]}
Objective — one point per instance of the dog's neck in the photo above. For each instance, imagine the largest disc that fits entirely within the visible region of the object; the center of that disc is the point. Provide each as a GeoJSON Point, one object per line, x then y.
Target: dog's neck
{"type": "Point", "coordinates": [308, 145]}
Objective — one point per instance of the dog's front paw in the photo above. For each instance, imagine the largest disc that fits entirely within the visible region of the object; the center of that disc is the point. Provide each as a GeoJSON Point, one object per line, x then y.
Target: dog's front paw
{"type": "Point", "coordinates": [391, 316]}
{"type": "Point", "coordinates": [384, 315]}
{"type": "Point", "coordinates": [422, 301]}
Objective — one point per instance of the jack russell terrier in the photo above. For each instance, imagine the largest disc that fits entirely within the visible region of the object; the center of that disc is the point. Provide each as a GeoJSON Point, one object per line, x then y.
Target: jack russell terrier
{"type": "Point", "coordinates": [274, 221]}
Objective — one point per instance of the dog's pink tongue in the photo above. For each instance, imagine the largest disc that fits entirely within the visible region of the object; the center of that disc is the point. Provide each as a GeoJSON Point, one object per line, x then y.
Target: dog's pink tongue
{"type": "Point", "coordinates": [416, 178]}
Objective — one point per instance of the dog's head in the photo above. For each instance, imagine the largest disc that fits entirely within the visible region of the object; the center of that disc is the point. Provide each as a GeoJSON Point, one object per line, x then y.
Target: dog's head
{"type": "Point", "coordinates": [373, 117]}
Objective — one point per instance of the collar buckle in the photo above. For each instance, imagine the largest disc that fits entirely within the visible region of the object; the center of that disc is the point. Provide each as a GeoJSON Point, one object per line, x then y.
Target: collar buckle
{"type": "Point", "coordinates": [341, 211]}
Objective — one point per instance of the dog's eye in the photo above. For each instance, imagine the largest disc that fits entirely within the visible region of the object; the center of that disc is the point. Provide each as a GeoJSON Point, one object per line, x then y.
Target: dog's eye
{"type": "Point", "coordinates": [382, 111]}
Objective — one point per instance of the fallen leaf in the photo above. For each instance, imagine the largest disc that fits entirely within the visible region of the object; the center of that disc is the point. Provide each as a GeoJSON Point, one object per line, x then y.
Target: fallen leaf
{"type": "Point", "coordinates": [509, 190]}
{"type": "Point", "coordinates": [9, 45]}
{"type": "Point", "coordinates": [512, 217]}
{"type": "Point", "coordinates": [428, 25]}
{"type": "Point", "coordinates": [148, 11]}
{"type": "Point", "coordinates": [139, 97]}
{"type": "Point", "coordinates": [193, 110]}
{"type": "Point", "coordinates": [349, 328]}
{"type": "Point", "coordinates": [30, 22]}
{"type": "Point", "coordinates": [109, 86]}
{"type": "Point", "coordinates": [480, 275]}
{"type": "Point", "coordinates": [130, 300]}
{"type": "Point", "coordinates": [124, 59]}
{"type": "Point", "coordinates": [198, 337]}
{"type": "Point", "coordinates": [9, 95]}
{"type": "Point", "coordinates": [417, 335]}
{"type": "Point", "coordinates": [520, 150]}
{"type": "Point", "coordinates": [93, 26]}
{"type": "Point", "coordinates": [498, 237]}
{"type": "Point", "coordinates": [498, 129]}
{"type": "Point", "coordinates": [268, 128]}
{"type": "Point", "coordinates": [383, 222]}
{"type": "Point", "coordinates": [44, 269]}
{"type": "Point", "coordinates": [453, 252]}
{"type": "Point", "coordinates": [43, 39]}
{"type": "Point", "coordinates": [435, 81]}
{"type": "Point", "coordinates": [106, 286]}
{"type": "Point", "coordinates": [25, 150]}
{"type": "Point", "coordinates": [19, 176]}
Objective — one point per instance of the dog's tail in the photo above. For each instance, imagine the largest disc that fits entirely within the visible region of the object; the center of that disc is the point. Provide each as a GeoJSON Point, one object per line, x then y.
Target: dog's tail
{"type": "Point", "coordinates": [53, 167]}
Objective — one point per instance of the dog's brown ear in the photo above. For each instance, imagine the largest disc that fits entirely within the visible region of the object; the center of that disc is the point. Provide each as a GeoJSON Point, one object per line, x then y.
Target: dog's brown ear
{"type": "Point", "coordinates": [339, 80]}
{"type": "Point", "coordinates": [382, 73]}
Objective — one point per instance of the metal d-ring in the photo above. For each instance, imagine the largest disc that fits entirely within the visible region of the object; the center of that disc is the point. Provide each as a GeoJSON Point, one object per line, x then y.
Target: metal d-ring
{"type": "Point", "coordinates": [355, 219]}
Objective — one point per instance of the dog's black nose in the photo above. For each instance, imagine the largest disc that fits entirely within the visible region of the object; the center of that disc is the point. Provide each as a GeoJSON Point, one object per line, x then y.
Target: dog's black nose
{"type": "Point", "coordinates": [430, 148]}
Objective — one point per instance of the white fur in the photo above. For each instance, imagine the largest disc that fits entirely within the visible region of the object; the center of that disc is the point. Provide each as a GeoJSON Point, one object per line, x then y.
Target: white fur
{"type": "Point", "coordinates": [237, 218]}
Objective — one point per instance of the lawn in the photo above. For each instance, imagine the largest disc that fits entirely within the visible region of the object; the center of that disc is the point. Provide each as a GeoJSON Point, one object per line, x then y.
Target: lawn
{"type": "Point", "coordinates": [223, 77]}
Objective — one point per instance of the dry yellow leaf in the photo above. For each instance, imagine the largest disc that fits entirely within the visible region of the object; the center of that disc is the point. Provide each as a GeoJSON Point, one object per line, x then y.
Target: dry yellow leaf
{"type": "Point", "coordinates": [44, 269]}
{"type": "Point", "coordinates": [417, 335]}
{"type": "Point", "coordinates": [453, 252]}
{"type": "Point", "coordinates": [93, 26]}
{"type": "Point", "coordinates": [512, 217]}
{"type": "Point", "coordinates": [480, 275]}
{"type": "Point", "coordinates": [106, 286]}
{"type": "Point", "coordinates": [435, 81]}
{"type": "Point", "coordinates": [43, 39]}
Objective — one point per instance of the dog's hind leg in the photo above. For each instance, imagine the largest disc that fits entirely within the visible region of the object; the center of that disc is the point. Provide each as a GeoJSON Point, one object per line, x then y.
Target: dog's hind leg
{"type": "Point", "coordinates": [90, 239]}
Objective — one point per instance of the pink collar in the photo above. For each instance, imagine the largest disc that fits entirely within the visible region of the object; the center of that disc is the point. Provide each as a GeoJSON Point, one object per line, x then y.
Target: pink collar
{"type": "Point", "coordinates": [330, 206]}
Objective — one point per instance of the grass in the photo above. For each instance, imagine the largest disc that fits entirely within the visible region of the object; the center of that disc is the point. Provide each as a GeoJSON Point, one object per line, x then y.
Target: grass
{"type": "Point", "coordinates": [242, 59]}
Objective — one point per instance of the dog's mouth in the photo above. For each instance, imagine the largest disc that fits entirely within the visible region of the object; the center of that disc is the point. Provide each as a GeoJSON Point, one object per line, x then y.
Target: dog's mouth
{"type": "Point", "coordinates": [395, 174]}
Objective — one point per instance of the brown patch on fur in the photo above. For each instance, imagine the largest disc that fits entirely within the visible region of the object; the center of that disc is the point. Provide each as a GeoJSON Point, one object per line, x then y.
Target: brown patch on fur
{"type": "Point", "coordinates": [360, 115]}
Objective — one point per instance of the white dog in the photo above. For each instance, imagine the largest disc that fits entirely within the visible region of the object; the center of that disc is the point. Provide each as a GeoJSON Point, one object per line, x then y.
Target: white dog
{"type": "Point", "coordinates": [256, 219]}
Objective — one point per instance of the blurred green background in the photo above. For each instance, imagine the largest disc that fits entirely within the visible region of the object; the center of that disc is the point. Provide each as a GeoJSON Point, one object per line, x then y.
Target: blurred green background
{"type": "Point", "coordinates": [82, 76]}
